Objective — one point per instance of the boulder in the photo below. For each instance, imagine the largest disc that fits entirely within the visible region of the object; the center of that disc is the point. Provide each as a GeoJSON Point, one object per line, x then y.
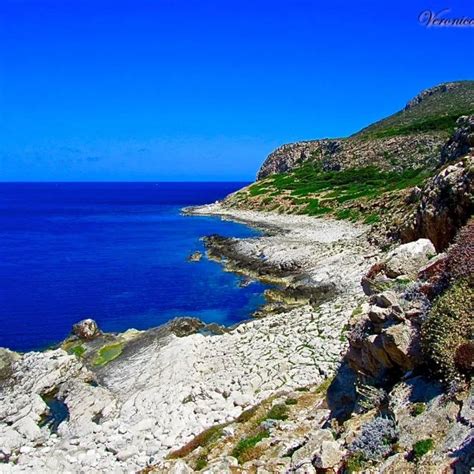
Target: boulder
{"type": "Point", "coordinates": [329, 455]}
{"type": "Point", "coordinates": [305, 455]}
{"type": "Point", "coordinates": [445, 205]}
{"type": "Point", "coordinates": [224, 464]}
{"type": "Point", "coordinates": [86, 329]}
{"type": "Point", "coordinates": [401, 342]}
{"type": "Point", "coordinates": [6, 363]}
{"type": "Point", "coordinates": [185, 326]}
{"type": "Point", "coordinates": [397, 464]}
{"type": "Point", "coordinates": [195, 257]}
{"type": "Point", "coordinates": [407, 259]}
{"type": "Point", "coordinates": [462, 141]}
{"type": "Point", "coordinates": [386, 299]}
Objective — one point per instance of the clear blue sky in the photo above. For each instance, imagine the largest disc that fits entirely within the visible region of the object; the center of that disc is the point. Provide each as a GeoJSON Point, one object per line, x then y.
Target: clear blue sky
{"type": "Point", "coordinates": [204, 90]}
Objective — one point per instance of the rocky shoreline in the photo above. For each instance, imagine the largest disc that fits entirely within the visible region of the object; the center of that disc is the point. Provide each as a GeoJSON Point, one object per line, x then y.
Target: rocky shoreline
{"type": "Point", "coordinates": [159, 390]}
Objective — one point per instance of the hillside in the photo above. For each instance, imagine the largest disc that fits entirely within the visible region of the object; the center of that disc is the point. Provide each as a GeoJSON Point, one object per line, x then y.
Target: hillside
{"type": "Point", "coordinates": [410, 138]}
{"type": "Point", "coordinates": [383, 175]}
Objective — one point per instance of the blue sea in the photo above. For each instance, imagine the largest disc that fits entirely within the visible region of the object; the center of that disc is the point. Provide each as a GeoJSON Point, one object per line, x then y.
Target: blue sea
{"type": "Point", "coordinates": [115, 252]}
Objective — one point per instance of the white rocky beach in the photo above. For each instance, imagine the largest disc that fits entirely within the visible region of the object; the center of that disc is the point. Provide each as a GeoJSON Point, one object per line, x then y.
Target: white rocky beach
{"type": "Point", "coordinates": [164, 390]}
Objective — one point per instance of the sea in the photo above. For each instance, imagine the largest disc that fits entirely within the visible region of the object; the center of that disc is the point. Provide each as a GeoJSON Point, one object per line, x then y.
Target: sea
{"type": "Point", "coordinates": [114, 252]}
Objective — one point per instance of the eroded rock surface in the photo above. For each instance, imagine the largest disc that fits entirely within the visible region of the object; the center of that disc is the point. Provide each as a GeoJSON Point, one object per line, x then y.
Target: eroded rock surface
{"type": "Point", "coordinates": [162, 390]}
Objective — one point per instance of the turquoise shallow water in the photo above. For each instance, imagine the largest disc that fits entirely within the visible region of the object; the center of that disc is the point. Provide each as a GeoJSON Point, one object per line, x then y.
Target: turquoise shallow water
{"type": "Point", "coordinates": [112, 251]}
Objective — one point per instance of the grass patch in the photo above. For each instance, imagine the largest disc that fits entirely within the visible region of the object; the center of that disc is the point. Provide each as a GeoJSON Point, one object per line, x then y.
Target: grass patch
{"type": "Point", "coordinates": [372, 219]}
{"type": "Point", "coordinates": [108, 353]}
{"type": "Point", "coordinates": [201, 463]}
{"type": "Point", "coordinates": [245, 449]}
{"type": "Point", "coordinates": [355, 463]}
{"type": "Point", "coordinates": [323, 387]}
{"type": "Point", "coordinates": [347, 214]}
{"type": "Point", "coordinates": [207, 437]}
{"type": "Point", "coordinates": [445, 123]}
{"type": "Point", "coordinates": [276, 412]}
{"type": "Point", "coordinates": [291, 401]}
{"type": "Point", "coordinates": [420, 448]}
{"type": "Point", "coordinates": [78, 351]}
{"type": "Point", "coordinates": [418, 409]}
{"type": "Point", "coordinates": [246, 415]}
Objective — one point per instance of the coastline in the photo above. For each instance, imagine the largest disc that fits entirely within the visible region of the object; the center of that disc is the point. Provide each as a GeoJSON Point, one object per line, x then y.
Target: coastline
{"type": "Point", "coordinates": [209, 379]}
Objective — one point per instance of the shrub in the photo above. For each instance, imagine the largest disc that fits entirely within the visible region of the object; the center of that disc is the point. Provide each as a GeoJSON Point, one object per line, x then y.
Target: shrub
{"type": "Point", "coordinates": [355, 463]}
{"type": "Point", "coordinates": [420, 448]}
{"type": "Point", "coordinates": [201, 463]}
{"type": "Point", "coordinates": [418, 409]}
{"type": "Point", "coordinates": [277, 412]}
{"type": "Point", "coordinates": [460, 256]}
{"type": "Point", "coordinates": [245, 448]}
{"type": "Point", "coordinates": [291, 401]}
{"type": "Point", "coordinates": [207, 437]}
{"type": "Point", "coordinates": [376, 439]}
{"type": "Point", "coordinates": [449, 325]}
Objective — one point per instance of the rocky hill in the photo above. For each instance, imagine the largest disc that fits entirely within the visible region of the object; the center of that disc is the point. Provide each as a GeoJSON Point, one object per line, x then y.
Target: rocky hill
{"type": "Point", "coordinates": [410, 138]}
{"type": "Point", "coordinates": [360, 361]}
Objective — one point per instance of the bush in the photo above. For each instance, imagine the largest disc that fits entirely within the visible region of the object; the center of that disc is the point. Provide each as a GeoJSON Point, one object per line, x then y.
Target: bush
{"type": "Point", "coordinates": [277, 412]}
{"type": "Point", "coordinates": [418, 409]}
{"type": "Point", "coordinates": [420, 448]}
{"type": "Point", "coordinates": [449, 325]}
{"type": "Point", "coordinates": [460, 256]}
{"type": "Point", "coordinates": [245, 449]}
{"type": "Point", "coordinates": [376, 440]}
{"type": "Point", "coordinates": [204, 439]}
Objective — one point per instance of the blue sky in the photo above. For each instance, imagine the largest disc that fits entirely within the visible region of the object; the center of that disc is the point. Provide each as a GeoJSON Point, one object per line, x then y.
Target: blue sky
{"type": "Point", "coordinates": [204, 90]}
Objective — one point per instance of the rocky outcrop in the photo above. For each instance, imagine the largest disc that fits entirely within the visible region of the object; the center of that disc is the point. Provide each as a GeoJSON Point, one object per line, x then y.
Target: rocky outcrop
{"type": "Point", "coordinates": [392, 153]}
{"type": "Point", "coordinates": [408, 258]}
{"type": "Point", "coordinates": [7, 358]}
{"type": "Point", "coordinates": [195, 257]}
{"type": "Point", "coordinates": [385, 338]}
{"type": "Point", "coordinates": [447, 202]}
{"type": "Point", "coordinates": [462, 142]}
{"type": "Point", "coordinates": [86, 329]}
{"type": "Point", "coordinates": [436, 90]}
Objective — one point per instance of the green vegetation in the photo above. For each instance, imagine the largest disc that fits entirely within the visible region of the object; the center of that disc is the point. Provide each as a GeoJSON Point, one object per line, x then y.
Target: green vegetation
{"type": "Point", "coordinates": [372, 219]}
{"type": "Point", "coordinates": [245, 449]}
{"type": "Point", "coordinates": [420, 448]}
{"type": "Point", "coordinates": [355, 462]}
{"type": "Point", "coordinates": [343, 185]}
{"type": "Point", "coordinates": [418, 409]}
{"type": "Point", "coordinates": [108, 353]}
{"type": "Point", "coordinates": [445, 123]}
{"type": "Point", "coordinates": [246, 415]}
{"type": "Point", "coordinates": [324, 386]}
{"type": "Point", "coordinates": [202, 440]}
{"type": "Point", "coordinates": [449, 325]}
{"type": "Point", "coordinates": [316, 192]}
{"type": "Point", "coordinates": [436, 112]}
{"type": "Point", "coordinates": [291, 401]}
{"type": "Point", "coordinates": [276, 412]}
{"type": "Point", "coordinates": [201, 463]}
{"type": "Point", "coordinates": [78, 350]}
